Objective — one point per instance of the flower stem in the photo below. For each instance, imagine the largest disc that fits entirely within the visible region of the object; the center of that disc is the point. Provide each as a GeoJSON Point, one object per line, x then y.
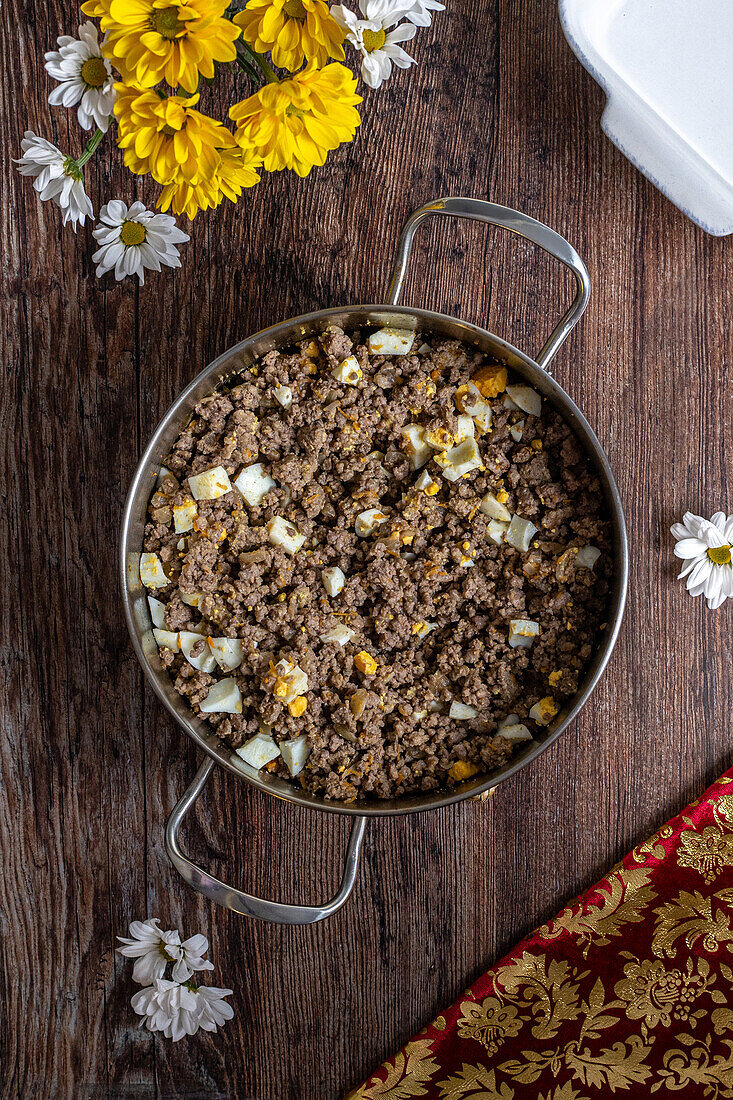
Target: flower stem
{"type": "Point", "coordinates": [270, 74]}
{"type": "Point", "coordinates": [248, 67]}
{"type": "Point", "coordinates": [90, 148]}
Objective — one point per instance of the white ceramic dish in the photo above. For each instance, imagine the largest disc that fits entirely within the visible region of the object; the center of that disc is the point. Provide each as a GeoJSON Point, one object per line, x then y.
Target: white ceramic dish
{"type": "Point", "coordinates": [667, 69]}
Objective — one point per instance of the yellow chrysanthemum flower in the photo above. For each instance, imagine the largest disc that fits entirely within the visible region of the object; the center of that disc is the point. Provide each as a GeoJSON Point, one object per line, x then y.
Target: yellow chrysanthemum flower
{"type": "Point", "coordinates": [173, 40]}
{"type": "Point", "coordinates": [295, 123]}
{"type": "Point", "coordinates": [235, 172]}
{"type": "Point", "coordinates": [292, 30]}
{"type": "Point", "coordinates": [168, 138]}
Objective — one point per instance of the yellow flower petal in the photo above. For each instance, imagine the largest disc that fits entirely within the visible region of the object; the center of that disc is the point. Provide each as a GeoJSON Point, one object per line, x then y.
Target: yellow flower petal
{"type": "Point", "coordinates": [295, 123]}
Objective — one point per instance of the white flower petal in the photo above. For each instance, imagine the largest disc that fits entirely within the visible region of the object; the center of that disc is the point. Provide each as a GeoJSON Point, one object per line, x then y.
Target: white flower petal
{"type": "Point", "coordinates": [398, 57]}
{"type": "Point", "coordinates": [403, 33]}
{"type": "Point", "coordinates": [689, 548]}
{"type": "Point", "coordinates": [149, 967]}
{"type": "Point", "coordinates": [691, 563]}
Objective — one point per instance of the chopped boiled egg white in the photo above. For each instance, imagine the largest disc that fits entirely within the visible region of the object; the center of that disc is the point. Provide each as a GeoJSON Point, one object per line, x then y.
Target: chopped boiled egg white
{"type": "Point", "coordinates": [461, 711]}
{"type": "Point", "coordinates": [223, 698]}
{"type": "Point", "coordinates": [544, 711]}
{"type": "Point", "coordinates": [466, 428]}
{"type": "Point", "coordinates": [285, 535]}
{"type": "Point", "coordinates": [191, 599]}
{"type": "Point", "coordinates": [258, 751]}
{"type": "Point", "coordinates": [369, 521]}
{"type": "Point", "coordinates": [295, 753]}
{"type": "Point", "coordinates": [286, 681]}
{"type": "Point", "coordinates": [391, 341]}
{"type": "Point", "coordinates": [494, 509]}
{"type": "Point", "coordinates": [526, 399]}
{"type": "Point", "coordinates": [254, 484]}
{"type": "Point", "coordinates": [340, 634]}
{"type": "Point", "coordinates": [203, 661]}
{"type": "Point", "coordinates": [152, 573]}
{"type": "Point", "coordinates": [183, 516]}
{"type": "Point", "coordinates": [587, 557]}
{"type": "Point", "coordinates": [210, 484]}
{"type": "Point", "coordinates": [283, 395]}
{"type": "Point", "coordinates": [496, 531]}
{"type": "Point", "coordinates": [349, 372]}
{"type": "Point", "coordinates": [157, 611]}
{"type": "Point", "coordinates": [417, 449]}
{"type": "Point", "coordinates": [469, 400]}
{"type": "Point", "coordinates": [228, 652]}
{"type": "Point", "coordinates": [522, 632]}
{"type": "Point", "coordinates": [333, 579]}
{"type": "Point", "coordinates": [516, 431]}
{"type": "Point", "coordinates": [514, 731]}
{"type": "Point", "coordinates": [520, 533]}
{"type": "Point", "coordinates": [424, 481]}
{"type": "Point", "coordinates": [167, 638]}
{"type": "Point", "coordinates": [460, 461]}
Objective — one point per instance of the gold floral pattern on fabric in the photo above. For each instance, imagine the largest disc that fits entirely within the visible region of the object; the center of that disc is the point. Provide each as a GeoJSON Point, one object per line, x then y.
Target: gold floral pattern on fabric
{"type": "Point", "coordinates": [622, 898]}
{"type": "Point", "coordinates": [711, 850]}
{"type": "Point", "coordinates": [693, 920]}
{"type": "Point", "coordinates": [628, 992]}
{"type": "Point", "coordinates": [488, 1022]}
{"type": "Point", "coordinates": [407, 1074]}
{"type": "Point", "coordinates": [657, 995]}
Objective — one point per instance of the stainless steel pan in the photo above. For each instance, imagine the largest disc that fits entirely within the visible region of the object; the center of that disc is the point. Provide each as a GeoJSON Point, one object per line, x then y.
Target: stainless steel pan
{"type": "Point", "coordinates": [134, 596]}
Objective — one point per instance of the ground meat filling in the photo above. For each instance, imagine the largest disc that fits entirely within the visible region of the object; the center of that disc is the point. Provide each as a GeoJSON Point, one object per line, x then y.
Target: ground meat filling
{"type": "Point", "coordinates": [408, 580]}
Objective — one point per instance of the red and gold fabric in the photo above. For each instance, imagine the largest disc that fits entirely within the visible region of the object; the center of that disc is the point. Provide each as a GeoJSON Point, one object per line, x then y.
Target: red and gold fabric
{"type": "Point", "coordinates": [628, 992]}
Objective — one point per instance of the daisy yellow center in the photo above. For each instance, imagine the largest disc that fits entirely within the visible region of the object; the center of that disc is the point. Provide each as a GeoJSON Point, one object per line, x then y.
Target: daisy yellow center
{"type": "Point", "coordinates": [374, 40]}
{"type": "Point", "coordinates": [720, 555]}
{"type": "Point", "coordinates": [94, 72]}
{"type": "Point", "coordinates": [166, 22]}
{"type": "Point", "coordinates": [132, 233]}
{"type": "Point", "coordinates": [294, 9]}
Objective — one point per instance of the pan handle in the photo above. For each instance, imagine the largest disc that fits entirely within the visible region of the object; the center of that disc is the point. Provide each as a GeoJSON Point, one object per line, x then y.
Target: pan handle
{"type": "Point", "coordinates": [238, 900]}
{"type": "Point", "coordinates": [515, 222]}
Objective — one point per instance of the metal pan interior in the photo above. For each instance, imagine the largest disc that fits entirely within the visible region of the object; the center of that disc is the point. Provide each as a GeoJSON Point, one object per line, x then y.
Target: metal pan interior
{"type": "Point", "coordinates": [241, 355]}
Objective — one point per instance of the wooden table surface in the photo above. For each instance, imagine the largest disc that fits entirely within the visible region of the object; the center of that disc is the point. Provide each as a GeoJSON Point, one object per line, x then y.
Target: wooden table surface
{"type": "Point", "coordinates": [497, 108]}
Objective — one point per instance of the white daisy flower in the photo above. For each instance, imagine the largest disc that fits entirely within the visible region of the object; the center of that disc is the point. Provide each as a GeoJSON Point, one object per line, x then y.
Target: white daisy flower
{"type": "Point", "coordinates": [57, 177]}
{"type": "Point", "coordinates": [169, 1007]}
{"type": "Point", "coordinates": [85, 78]}
{"type": "Point", "coordinates": [190, 957]}
{"type": "Point", "coordinates": [705, 546]}
{"type": "Point", "coordinates": [152, 947]}
{"type": "Point", "coordinates": [214, 1010]}
{"type": "Point", "coordinates": [379, 48]}
{"type": "Point", "coordinates": [135, 239]}
{"type": "Point", "coordinates": [177, 1009]}
{"type": "Point", "coordinates": [419, 11]}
